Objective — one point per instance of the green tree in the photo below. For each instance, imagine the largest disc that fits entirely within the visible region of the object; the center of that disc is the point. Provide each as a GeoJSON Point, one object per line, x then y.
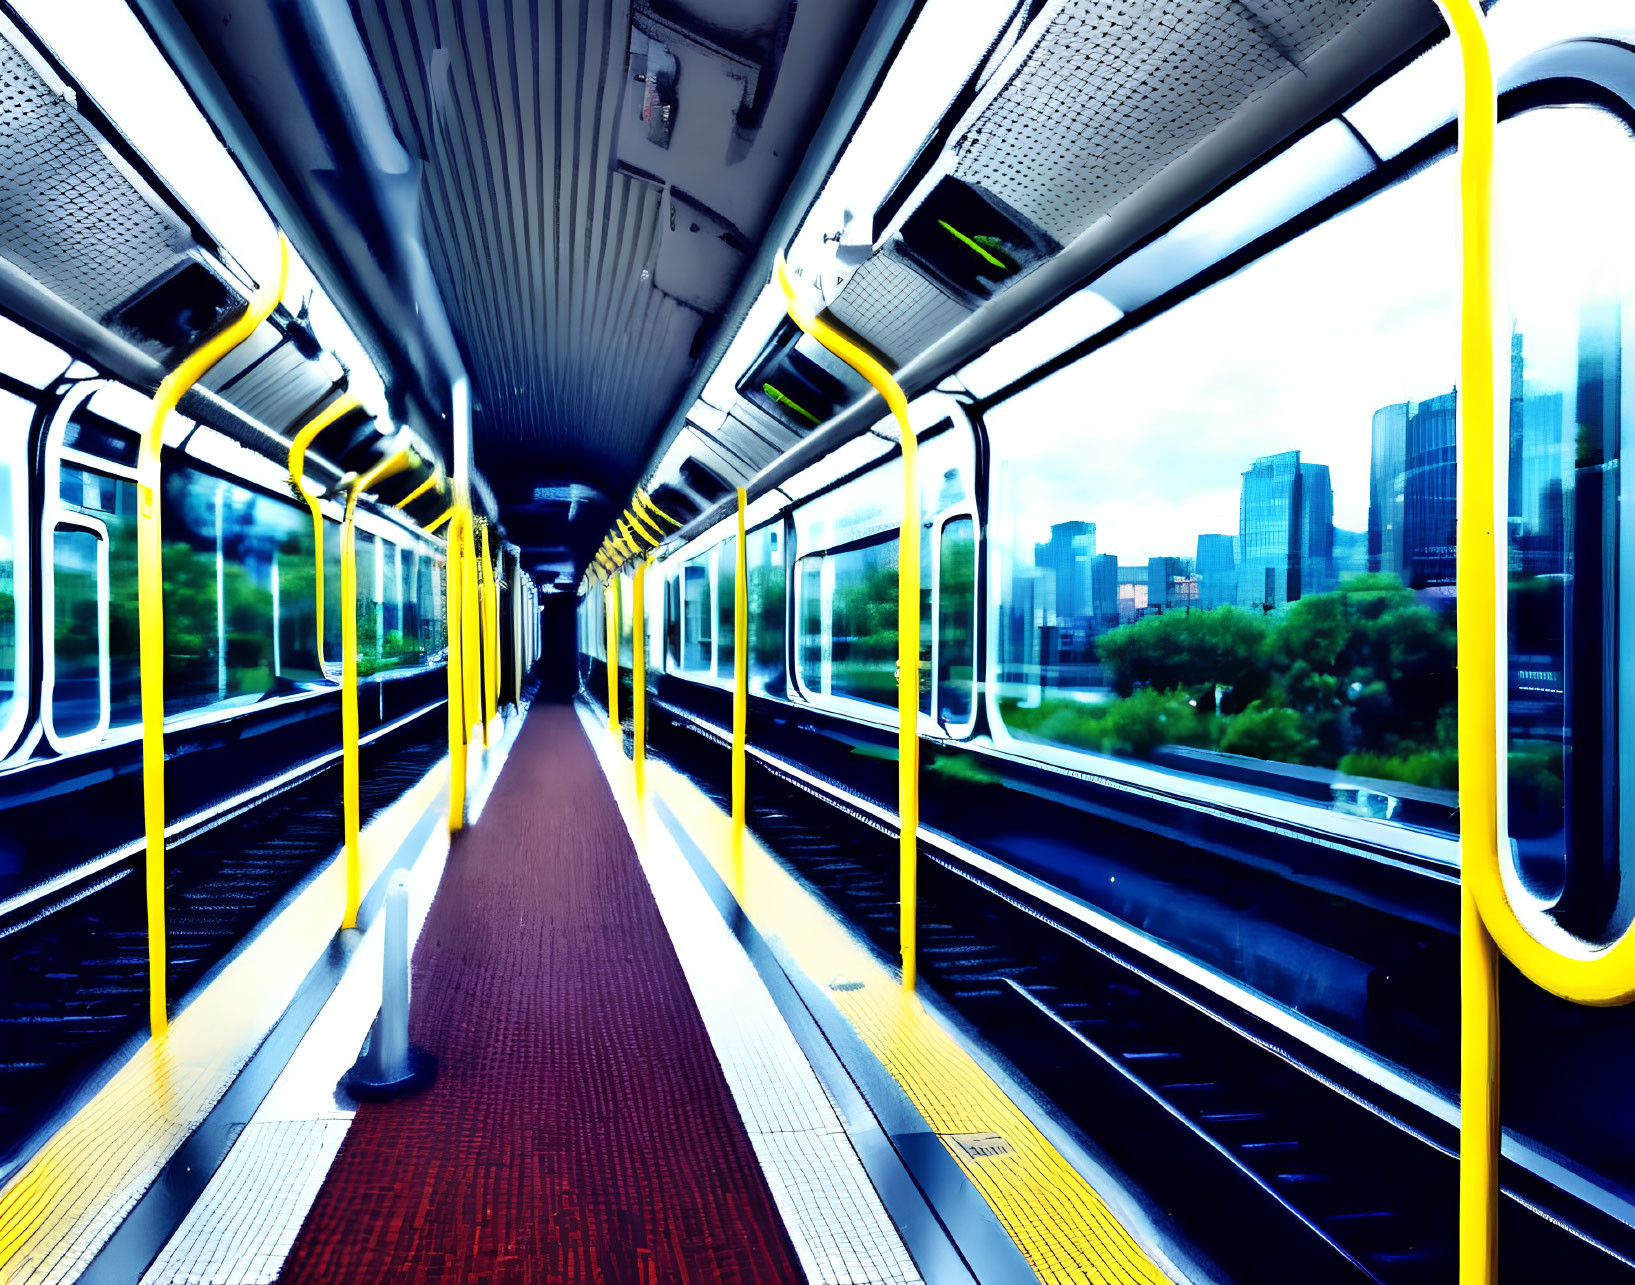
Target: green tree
{"type": "Point", "coordinates": [1192, 649]}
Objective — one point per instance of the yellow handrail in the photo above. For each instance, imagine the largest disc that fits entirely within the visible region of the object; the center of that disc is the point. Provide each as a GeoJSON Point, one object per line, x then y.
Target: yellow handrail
{"type": "Point", "coordinates": [740, 698]}
{"type": "Point", "coordinates": [304, 437]}
{"type": "Point", "coordinates": [447, 513]}
{"type": "Point", "coordinates": [458, 724]}
{"type": "Point", "coordinates": [471, 643]}
{"type": "Point", "coordinates": [638, 675]}
{"type": "Point", "coordinates": [1603, 976]}
{"type": "Point", "coordinates": [351, 805]}
{"type": "Point", "coordinates": [491, 633]}
{"type": "Point", "coordinates": [150, 589]}
{"type": "Point", "coordinates": [412, 496]}
{"type": "Point", "coordinates": [908, 611]}
{"type": "Point", "coordinates": [612, 593]}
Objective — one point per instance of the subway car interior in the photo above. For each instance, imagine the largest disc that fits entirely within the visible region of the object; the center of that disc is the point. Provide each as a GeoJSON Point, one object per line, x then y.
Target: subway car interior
{"type": "Point", "coordinates": [474, 807]}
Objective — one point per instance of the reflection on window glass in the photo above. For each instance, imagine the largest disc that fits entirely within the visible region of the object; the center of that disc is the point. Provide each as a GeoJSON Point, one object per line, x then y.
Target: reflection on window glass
{"type": "Point", "coordinates": [956, 621]}
{"type": "Point", "coordinates": [862, 624]}
{"type": "Point", "coordinates": [726, 581]}
{"type": "Point", "coordinates": [928, 573]}
{"type": "Point", "coordinates": [14, 420]}
{"type": "Point", "coordinates": [810, 622]}
{"type": "Point", "coordinates": [672, 621]}
{"type": "Point", "coordinates": [1228, 535]}
{"type": "Point", "coordinates": [297, 605]}
{"type": "Point", "coordinates": [766, 608]}
{"type": "Point", "coordinates": [76, 633]}
{"type": "Point", "coordinates": [696, 615]}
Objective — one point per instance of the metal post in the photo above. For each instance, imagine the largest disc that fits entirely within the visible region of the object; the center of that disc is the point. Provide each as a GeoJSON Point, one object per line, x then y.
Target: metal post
{"type": "Point", "coordinates": [908, 613]}
{"type": "Point", "coordinates": [638, 672]}
{"type": "Point", "coordinates": [740, 697]}
{"type": "Point", "coordinates": [150, 588]}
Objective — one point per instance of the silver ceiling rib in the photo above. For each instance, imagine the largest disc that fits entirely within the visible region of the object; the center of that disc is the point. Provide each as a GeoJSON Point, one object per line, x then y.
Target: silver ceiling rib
{"type": "Point", "coordinates": [543, 251]}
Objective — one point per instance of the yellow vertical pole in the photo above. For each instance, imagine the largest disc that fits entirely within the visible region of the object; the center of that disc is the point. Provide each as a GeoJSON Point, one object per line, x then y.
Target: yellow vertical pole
{"type": "Point", "coordinates": [454, 573]}
{"type": "Point", "coordinates": [490, 632]}
{"type": "Point", "coordinates": [351, 804]}
{"type": "Point", "coordinates": [1478, 588]}
{"type": "Point", "coordinates": [303, 439]}
{"type": "Point", "coordinates": [471, 646]}
{"type": "Point", "coordinates": [612, 592]}
{"type": "Point", "coordinates": [150, 588]}
{"type": "Point", "coordinates": [908, 613]}
{"type": "Point", "coordinates": [740, 698]}
{"type": "Point", "coordinates": [638, 672]}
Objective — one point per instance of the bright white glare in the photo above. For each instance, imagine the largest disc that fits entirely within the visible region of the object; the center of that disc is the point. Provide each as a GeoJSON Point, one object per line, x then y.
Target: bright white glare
{"type": "Point", "coordinates": [108, 52]}
{"type": "Point", "coordinates": [1074, 319]}
{"type": "Point", "coordinates": [935, 61]}
{"type": "Point", "coordinates": [1149, 436]}
{"type": "Point", "coordinates": [1425, 94]}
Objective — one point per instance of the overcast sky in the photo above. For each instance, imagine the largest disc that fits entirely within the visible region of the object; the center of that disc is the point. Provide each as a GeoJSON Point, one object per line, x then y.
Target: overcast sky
{"type": "Point", "coordinates": [1149, 436]}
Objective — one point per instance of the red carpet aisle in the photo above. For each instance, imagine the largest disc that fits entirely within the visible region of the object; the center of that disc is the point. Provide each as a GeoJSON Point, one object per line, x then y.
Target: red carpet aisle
{"type": "Point", "coordinates": [580, 1128]}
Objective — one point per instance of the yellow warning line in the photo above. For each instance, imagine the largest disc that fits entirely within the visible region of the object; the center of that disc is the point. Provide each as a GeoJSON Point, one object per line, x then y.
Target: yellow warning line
{"type": "Point", "coordinates": [63, 1204]}
{"type": "Point", "coordinates": [1060, 1224]}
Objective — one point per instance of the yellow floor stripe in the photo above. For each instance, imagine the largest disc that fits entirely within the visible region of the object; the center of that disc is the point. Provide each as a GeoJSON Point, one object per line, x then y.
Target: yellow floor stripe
{"type": "Point", "coordinates": [65, 1202]}
{"type": "Point", "coordinates": [1062, 1227]}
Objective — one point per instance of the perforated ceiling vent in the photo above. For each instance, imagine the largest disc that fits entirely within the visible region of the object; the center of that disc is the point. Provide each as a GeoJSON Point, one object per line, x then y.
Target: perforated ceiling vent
{"type": "Point", "coordinates": [69, 217]}
{"type": "Point", "coordinates": [1117, 89]}
{"type": "Point", "coordinates": [1110, 93]}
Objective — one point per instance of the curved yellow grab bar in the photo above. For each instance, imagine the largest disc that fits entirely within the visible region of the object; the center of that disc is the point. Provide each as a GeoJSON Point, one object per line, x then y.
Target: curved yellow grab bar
{"type": "Point", "coordinates": [418, 491]}
{"type": "Point", "coordinates": [642, 524]}
{"type": "Point", "coordinates": [350, 805]}
{"type": "Point", "coordinates": [646, 501]}
{"type": "Point", "coordinates": [341, 406]}
{"type": "Point", "coordinates": [150, 588]}
{"type": "Point", "coordinates": [908, 609]}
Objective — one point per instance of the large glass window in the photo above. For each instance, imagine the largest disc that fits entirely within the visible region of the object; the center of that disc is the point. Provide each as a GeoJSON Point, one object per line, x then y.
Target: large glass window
{"type": "Point", "coordinates": [1226, 538]}
{"type": "Point", "coordinates": [78, 646]}
{"type": "Point", "coordinates": [863, 622]}
{"type": "Point", "coordinates": [726, 589]}
{"type": "Point", "coordinates": [766, 612]}
{"type": "Point", "coordinates": [697, 615]}
{"type": "Point", "coordinates": [15, 414]}
{"type": "Point", "coordinates": [956, 621]}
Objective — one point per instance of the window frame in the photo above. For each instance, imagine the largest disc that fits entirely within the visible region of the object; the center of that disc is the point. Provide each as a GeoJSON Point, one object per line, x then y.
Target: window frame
{"type": "Point", "coordinates": [23, 591]}
{"type": "Point", "coordinates": [70, 520]}
{"type": "Point", "coordinates": [1580, 72]}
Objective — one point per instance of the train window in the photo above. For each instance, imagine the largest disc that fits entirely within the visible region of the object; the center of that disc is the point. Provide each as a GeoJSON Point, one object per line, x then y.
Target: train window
{"type": "Point", "coordinates": [726, 588]}
{"type": "Point", "coordinates": [697, 615]}
{"type": "Point", "coordinates": [1223, 541]}
{"type": "Point", "coordinates": [332, 594]}
{"type": "Point", "coordinates": [846, 604]}
{"type": "Point", "coordinates": [112, 500]}
{"type": "Point", "coordinates": [297, 605]}
{"type": "Point", "coordinates": [766, 612]}
{"type": "Point", "coordinates": [956, 621]}
{"type": "Point", "coordinates": [810, 622]}
{"type": "Point", "coordinates": [369, 605]}
{"type": "Point", "coordinates": [15, 414]}
{"type": "Point", "coordinates": [672, 621]}
{"type": "Point", "coordinates": [77, 669]}
{"type": "Point", "coordinates": [862, 624]}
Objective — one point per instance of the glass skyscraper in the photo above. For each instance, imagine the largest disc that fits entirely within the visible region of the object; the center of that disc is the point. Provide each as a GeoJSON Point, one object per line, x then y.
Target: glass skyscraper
{"type": "Point", "coordinates": [1269, 521]}
{"type": "Point", "coordinates": [1217, 569]}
